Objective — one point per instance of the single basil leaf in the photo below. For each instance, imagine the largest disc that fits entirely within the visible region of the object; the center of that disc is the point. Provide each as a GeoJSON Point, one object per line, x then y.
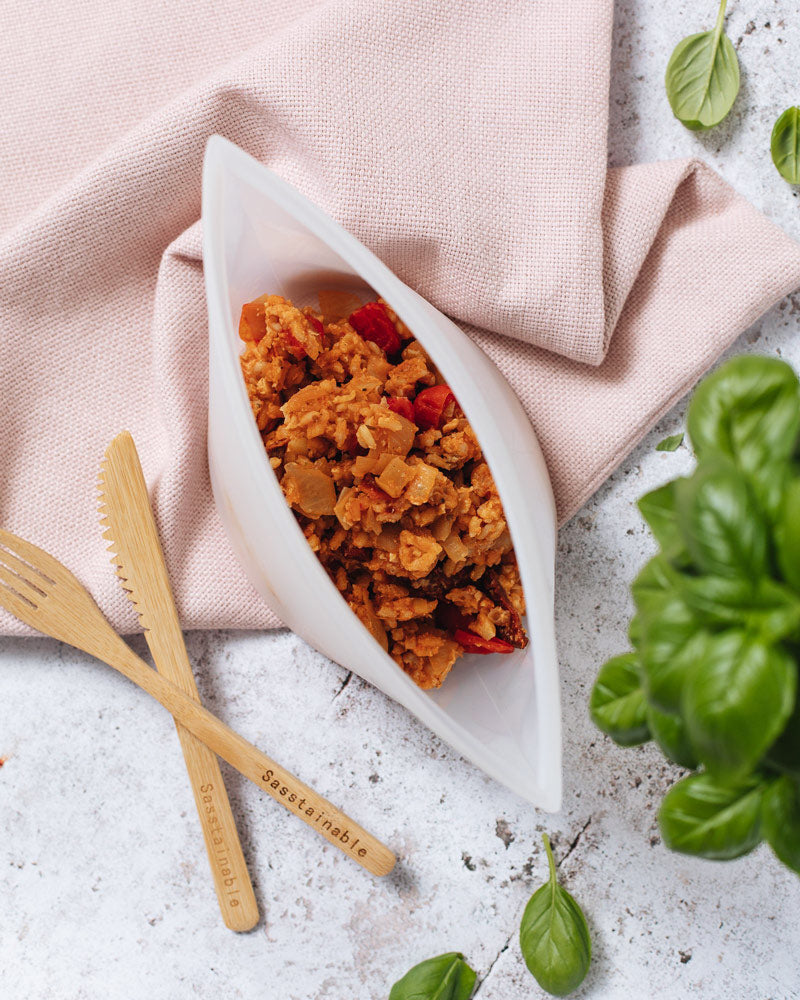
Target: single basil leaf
{"type": "Point", "coordinates": [785, 145]}
{"type": "Point", "coordinates": [737, 700]}
{"type": "Point", "coordinates": [703, 77]}
{"type": "Point", "coordinates": [669, 732]}
{"type": "Point", "coordinates": [781, 819]}
{"type": "Point", "coordinates": [724, 529]}
{"type": "Point", "coordinates": [764, 607]}
{"type": "Point", "coordinates": [712, 819]}
{"type": "Point", "coordinates": [446, 977]}
{"type": "Point", "coordinates": [617, 705]}
{"type": "Point", "coordinates": [658, 509]}
{"type": "Point", "coordinates": [749, 410]}
{"type": "Point", "coordinates": [554, 937]}
{"type": "Point", "coordinates": [787, 535]}
{"type": "Point", "coordinates": [671, 443]}
{"type": "Point", "coordinates": [670, 640]}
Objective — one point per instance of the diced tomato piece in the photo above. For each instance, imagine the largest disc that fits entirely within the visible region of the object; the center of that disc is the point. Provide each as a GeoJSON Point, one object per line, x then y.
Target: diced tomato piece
{"type": "Point", "coordinates": [434, 406]}
{"type": "Point", "coordinates": [253, 321]}
{"type": "Point", "coordinates": [316, 324]}
{"type": "Point", "coordinates": [293, 345]}
{"type": "Point", "coordinates": [476, 644]}
{"type": "Point", "coordinates": [373, 322]}
{"type": "Point", "coordinates": [403, 406]}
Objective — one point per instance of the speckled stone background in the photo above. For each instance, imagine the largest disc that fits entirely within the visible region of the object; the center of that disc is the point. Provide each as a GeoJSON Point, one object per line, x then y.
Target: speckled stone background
{"type": "Point", "coordinates": [104, 888]}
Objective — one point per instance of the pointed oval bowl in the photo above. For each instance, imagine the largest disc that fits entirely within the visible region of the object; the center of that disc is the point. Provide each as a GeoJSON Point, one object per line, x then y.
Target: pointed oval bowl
{"type": "Point", "coordinates": [261, 235]}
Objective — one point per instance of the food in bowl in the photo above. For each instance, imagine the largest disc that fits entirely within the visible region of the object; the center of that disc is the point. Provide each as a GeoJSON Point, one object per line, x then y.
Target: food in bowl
{"type": "Point", "coordinates": [386, 479]}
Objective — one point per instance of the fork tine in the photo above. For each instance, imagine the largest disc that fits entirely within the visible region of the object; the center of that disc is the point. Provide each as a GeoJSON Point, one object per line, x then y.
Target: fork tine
{"type": "Point", "coordinates": [43, 563]}
{"type": "Point", "coordinates": [26, 590]}
{"type": "Point", "coordinates": [18, 607]}
{"type": "Point", "coordinates": [30, 574]}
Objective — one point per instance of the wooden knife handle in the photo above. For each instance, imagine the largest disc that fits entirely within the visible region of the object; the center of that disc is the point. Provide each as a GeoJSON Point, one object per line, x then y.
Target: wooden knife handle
{"type": "Point", "coordinates": [132, 530]}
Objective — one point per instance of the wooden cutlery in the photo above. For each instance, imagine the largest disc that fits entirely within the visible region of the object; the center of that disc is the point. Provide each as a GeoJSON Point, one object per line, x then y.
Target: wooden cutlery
{"type": "Point", "coordinates": [41, 592]}
{"type": "Point", "coordinates": [129, 526]}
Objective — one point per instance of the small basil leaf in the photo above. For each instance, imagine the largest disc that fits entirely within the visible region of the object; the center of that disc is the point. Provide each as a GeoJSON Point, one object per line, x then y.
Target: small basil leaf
{"type": "Point", "coordinates": [718, 516]}
{"type": "Point", "coordinates": [762, 606]}
{"type": "Point", "coordinates": [709, 818]}
{"type": "Point", "coordinates": [785, 145]}
{"type": "Point", "coordinates": [658, 509]}
{"type": "Point", "coordinates": [781, 819]}
{"type": "Point", "coordinates": [737, 700]}
{"type": "Point", "coordinates": [669, 732]}
{"type": "Point", "coordinates": [554, 937]}
{"type": "Point", "coordinates": [671, 443]}
{"type": "Point", "coordinates": [670, 640]}
{"type": "Point", "coordinates": [749, 410]}
{"type": "Point", "coordinates": [446, 977]}
{"type": "Point", "coordinates": [703, 77]}
{"type": "Point", "coordinates": [617, 704]}
{"type": "Point", "coordinates": [787, 535]}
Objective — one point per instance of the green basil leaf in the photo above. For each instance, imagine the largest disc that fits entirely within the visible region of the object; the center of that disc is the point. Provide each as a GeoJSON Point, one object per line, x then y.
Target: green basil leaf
{"type": "Point", "coordinates": [781, 819]}
{"type": "Point", "coordinates": [784, 754]}
{"type": "Point", "coordinates": [736, 701]}
{"type": "Point", "coordinates": [658, 509]}
{"type": "Point", "coordinates": [703, 77]}
{"type": "Point", "coordinates": [787, 535]}
{"type": "Point", "coordinates": [635, 631]}
{"type": "Point", "coordinates": [762, 606]}
{"type": "Point", "coordinates": [617, 705]}
{"type": "Point", "coordinates": [655, 580]}
{"type": "Point", "coordinates": [785, 145]}
{"type": "Point", "coordinates": [669, 732]}
{"type": "Point", "coordinates": [446, 977]}
{"type": "Point", "coordinates": [749, 410]}
{"type": "Point", "coordinates": [671, 443]}
{"type": "Point", "coordinates": [554, 937]}
{"type": "Point", "coordinates": [669, 634]}
{"type": "Point", "coordinates": [711, 819]}
{"type": "Point", "coordinates": [724, 529]}
{"type": "Point", "coordinates": [769, 483]}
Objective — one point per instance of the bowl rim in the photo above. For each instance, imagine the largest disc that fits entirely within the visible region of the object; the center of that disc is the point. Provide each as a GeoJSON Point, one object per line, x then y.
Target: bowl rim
{"type": "Point", "coordinates": [224, 157]}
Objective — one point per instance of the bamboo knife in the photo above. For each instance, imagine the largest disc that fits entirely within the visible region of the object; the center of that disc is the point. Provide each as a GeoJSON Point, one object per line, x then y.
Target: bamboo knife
{"type": "Point", "coordinates": [130, 527]}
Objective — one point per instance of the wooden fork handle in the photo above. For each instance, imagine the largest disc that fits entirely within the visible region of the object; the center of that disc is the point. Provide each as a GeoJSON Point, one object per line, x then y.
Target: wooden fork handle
{"type": "Point", "coordinates": [332, 824]}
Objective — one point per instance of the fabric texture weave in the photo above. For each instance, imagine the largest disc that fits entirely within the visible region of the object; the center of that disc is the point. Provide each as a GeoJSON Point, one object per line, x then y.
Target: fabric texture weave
{"type": "Point", "coordinates": [464, 143]}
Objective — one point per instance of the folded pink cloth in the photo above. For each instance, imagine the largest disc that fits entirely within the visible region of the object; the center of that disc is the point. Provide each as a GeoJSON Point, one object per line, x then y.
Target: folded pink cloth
{"type": "Point", "coordinates": [465, 143]}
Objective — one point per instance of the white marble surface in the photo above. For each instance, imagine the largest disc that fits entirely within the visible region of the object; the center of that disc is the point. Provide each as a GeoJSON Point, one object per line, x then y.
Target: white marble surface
{"type": "Point", "coordinates": [103, 879]}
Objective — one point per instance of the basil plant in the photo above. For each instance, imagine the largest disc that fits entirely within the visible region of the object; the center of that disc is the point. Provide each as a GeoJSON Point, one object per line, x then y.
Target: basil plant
{"type": "Point", "coordinates": [712, 676]}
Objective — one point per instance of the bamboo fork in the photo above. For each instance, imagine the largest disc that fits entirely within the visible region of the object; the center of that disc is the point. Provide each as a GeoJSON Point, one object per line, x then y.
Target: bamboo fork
{"type": "Point", "coordinates": [129, 526]}
{"type": "Point", "coordinates": [41, 592]}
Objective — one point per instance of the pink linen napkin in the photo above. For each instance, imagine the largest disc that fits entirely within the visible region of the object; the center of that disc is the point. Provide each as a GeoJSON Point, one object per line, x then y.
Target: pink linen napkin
{"type": "Point", "coordinates": [465, 143]}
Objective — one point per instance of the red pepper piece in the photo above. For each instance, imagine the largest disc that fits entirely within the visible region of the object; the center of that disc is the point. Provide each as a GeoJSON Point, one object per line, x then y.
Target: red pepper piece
{"type": "Point", "coordinates": [253, 321]}
{"type": "Point", "coordinates": [434, 406]}
{"type": "Point", "coordinates": [477, 644]}
{"type": "Point", "coordinates": [373, 322]}
{"type": "Point", "coordinates": [293, 345]}
{"type": "Point", "coordinates": [316, 324]}
{"type": "Point", "coordinates": [403, 406]}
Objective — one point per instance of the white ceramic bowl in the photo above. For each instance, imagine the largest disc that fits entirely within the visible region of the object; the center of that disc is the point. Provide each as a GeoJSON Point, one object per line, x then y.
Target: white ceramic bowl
{"type": "Point", "coordinates": [261, 235]}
